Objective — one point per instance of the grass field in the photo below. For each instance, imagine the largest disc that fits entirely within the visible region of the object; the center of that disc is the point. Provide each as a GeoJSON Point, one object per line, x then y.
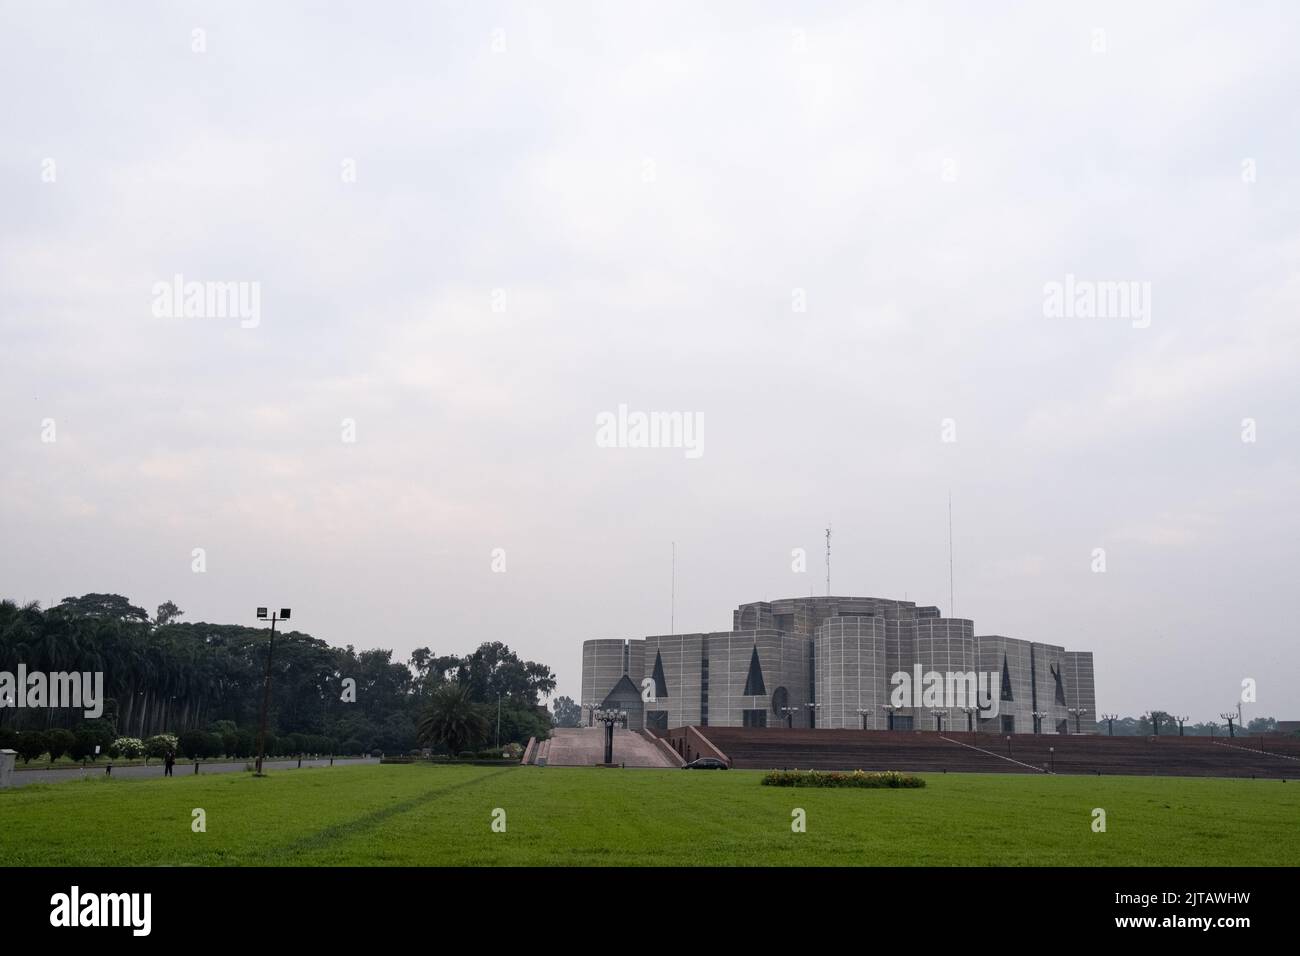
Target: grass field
{"type": "Point", "coordinates": [430, 815]}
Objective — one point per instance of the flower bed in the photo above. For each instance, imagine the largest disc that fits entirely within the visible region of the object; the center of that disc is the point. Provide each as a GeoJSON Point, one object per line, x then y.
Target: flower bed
{"type": "Point", "coordinates": [890, 779]}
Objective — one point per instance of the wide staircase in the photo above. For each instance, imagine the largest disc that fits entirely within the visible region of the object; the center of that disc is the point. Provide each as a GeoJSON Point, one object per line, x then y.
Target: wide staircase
{"type": "Point", "coordinates": [962, 752]}
{"type": "Point", "coordinates": [585, 747]}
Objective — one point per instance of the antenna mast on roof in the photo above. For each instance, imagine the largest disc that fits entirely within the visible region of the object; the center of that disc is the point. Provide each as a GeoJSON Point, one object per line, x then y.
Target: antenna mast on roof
{"type": "Point", "coordinates": [952, 609]}
{"type": "Point", "coordinates": [672, 614]}
{"type": "Point", "coordinates": [828, 560]}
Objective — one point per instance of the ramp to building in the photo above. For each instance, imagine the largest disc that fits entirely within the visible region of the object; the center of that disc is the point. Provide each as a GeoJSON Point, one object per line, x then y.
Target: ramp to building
{"type": "Point", "coordinates": [585, 747]}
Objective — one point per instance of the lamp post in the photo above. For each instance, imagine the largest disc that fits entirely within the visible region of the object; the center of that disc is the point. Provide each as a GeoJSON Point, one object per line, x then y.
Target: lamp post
{"type": "Point", "coordinates": [1230, 716]}
{"type": "Point", "coordinates": [938, 716]}
{"type": "Point", "coordinates": [1110, 723]}
{"type": "Point", "coordinates": [1155, 716]}
{"type": "Point", "coordinates": [812, 713]}
{"type": "Point", "coordinates": [1213, 727]}
{"type": "Point", "coordinates": [1181, 721]}
{"type": "Point", "coordinates": [862, 712]}
{"type": "Point", "coordinates": [1051, 760]}
{"type": "Point", "coordinates": [789, 716]}
{"type": "Point", "coordinates": [609, 718]}
{"type": "Point", "coordinates": [266, 684]}
{"type": "Point", "coordinates": [970, 713]}
{"type": "Point", "coordinates": [889, 715]}
{"type": "Point", "coordinates": [1078, 713]}
{"type": "Point", "coordinates": [1038, 716]}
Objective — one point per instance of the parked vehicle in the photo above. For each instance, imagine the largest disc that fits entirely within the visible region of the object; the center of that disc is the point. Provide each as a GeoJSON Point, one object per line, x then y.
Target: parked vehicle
{"type": "Point", "coordinates": [706, 763]}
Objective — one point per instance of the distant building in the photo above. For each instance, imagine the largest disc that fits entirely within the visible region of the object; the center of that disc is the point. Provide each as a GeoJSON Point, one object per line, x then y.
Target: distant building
{"type": "Point", "coordinates": [830, 662]}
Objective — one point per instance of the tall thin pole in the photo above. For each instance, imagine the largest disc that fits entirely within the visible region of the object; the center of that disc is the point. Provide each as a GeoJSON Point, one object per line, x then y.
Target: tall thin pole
{"type": "Point", "coordinates": [828, 560]}
{"type": "Point", "coordinates": [266, 699]}
{"type": "Point", "coordinates": [952, 608]}
{"type": "Point", "coordinates": [672, 614]}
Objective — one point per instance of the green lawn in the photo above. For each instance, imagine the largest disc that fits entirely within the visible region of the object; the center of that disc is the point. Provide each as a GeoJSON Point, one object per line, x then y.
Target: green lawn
{"type": "Point", "coordinates": [442, 815]}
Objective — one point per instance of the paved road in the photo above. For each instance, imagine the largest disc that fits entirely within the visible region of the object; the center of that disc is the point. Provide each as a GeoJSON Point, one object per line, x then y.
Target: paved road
{"type": "Point", "coordinates": [21, 777]}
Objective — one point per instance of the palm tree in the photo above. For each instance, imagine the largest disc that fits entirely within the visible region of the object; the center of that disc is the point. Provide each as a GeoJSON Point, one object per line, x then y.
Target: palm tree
{"type": "Point", "coordinates": [452, 719]}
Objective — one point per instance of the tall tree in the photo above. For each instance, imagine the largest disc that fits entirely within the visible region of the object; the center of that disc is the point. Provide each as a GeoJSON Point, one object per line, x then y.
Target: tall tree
{"type": "Point", "coordinates": [453, 720]}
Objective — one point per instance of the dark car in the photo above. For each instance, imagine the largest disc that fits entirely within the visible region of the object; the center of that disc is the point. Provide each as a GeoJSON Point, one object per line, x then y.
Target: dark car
{"type": "Point", "coordinates": [706, 763]}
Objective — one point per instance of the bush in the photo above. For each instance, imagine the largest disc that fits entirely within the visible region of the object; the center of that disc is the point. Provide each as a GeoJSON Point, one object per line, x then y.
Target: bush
{"type": "Point", "coordinates": [891, 779]}
{"type": "Point", "coordinates": [196, 744]}
{"type": "Point", "coordinates": [127, 747]}
{"type": "Point", "coordinates": [351, 747]}
{"type": "Point", "coordinates": [159, 744]}
{"type": "Point", "coordinates": [89, 735]}
{"type": "Point", "coordinates": [8, 739]}
{"type": "Point", "coordinates": [59, 742]}
{"type": "Point", "coordinates": [31, 744]}
{"type": "Point", "coordinates": [193, 744]}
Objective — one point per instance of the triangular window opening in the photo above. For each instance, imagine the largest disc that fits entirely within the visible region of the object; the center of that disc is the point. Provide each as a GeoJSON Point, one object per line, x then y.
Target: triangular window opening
{"type": "Point", "coordinates": [661, 685]}
{"type": "Point", "coordinates": [754, 682]}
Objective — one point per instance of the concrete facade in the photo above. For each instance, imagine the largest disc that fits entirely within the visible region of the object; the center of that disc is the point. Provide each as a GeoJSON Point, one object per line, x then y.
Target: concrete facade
{"type": "Point", "coordinates": [833, 662]}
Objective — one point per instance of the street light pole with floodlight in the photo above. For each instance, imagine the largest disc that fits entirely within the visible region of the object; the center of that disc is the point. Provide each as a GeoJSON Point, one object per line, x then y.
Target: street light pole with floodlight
{"type": "Point", "coordinates": [970, 713]}
{"type": "Point", "coordinates": [889, 714]}
{"type": "Point", "coordinates": [609, 718]}
{"type": "Point", "coordinates": [1078, 713]}
{"type": "Point", "coordinates": [266, 684]}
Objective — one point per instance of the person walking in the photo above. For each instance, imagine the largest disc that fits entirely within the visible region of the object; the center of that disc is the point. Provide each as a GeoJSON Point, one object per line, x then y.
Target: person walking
{"type": "Point", "coordinates": [169, 761]}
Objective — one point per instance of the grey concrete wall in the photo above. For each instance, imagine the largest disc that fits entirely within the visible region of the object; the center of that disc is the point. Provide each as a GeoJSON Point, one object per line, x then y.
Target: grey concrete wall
{"type": "Point", "coordinates": [681, 656]}
{"type": "Point", "coordinates": [991, 651]}
{"type": "Point", "coordinates": [7, 759]}
{"type": "Point", "coordinates": [851, 676]}
{"type": "Point", "coordinates": [1080, 689]}
{"type": "Point", "coordinates": [729, 656]}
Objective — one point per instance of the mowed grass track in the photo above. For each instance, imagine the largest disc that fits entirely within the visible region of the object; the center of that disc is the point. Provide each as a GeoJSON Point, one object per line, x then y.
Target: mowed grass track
{"type": "Point", "coordinates": [416, 815]}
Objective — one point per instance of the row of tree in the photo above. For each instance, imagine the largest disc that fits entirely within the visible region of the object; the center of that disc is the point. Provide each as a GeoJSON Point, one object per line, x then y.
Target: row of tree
{"type": "Point", "coordinates": [165, 676]}
{"type": "Point", "coordinates": [1159, 721]}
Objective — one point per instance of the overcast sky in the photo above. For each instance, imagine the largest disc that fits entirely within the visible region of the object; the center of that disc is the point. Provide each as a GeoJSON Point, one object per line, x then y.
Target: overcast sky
{"type": "Point", "coordinates": [476, 227]}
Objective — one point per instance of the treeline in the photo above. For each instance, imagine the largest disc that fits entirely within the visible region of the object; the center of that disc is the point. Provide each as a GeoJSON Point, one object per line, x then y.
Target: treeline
{"type": "Point", "coordinates": [1145, 726]}
{"type": "Point", "coordinates": [162, 676]}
